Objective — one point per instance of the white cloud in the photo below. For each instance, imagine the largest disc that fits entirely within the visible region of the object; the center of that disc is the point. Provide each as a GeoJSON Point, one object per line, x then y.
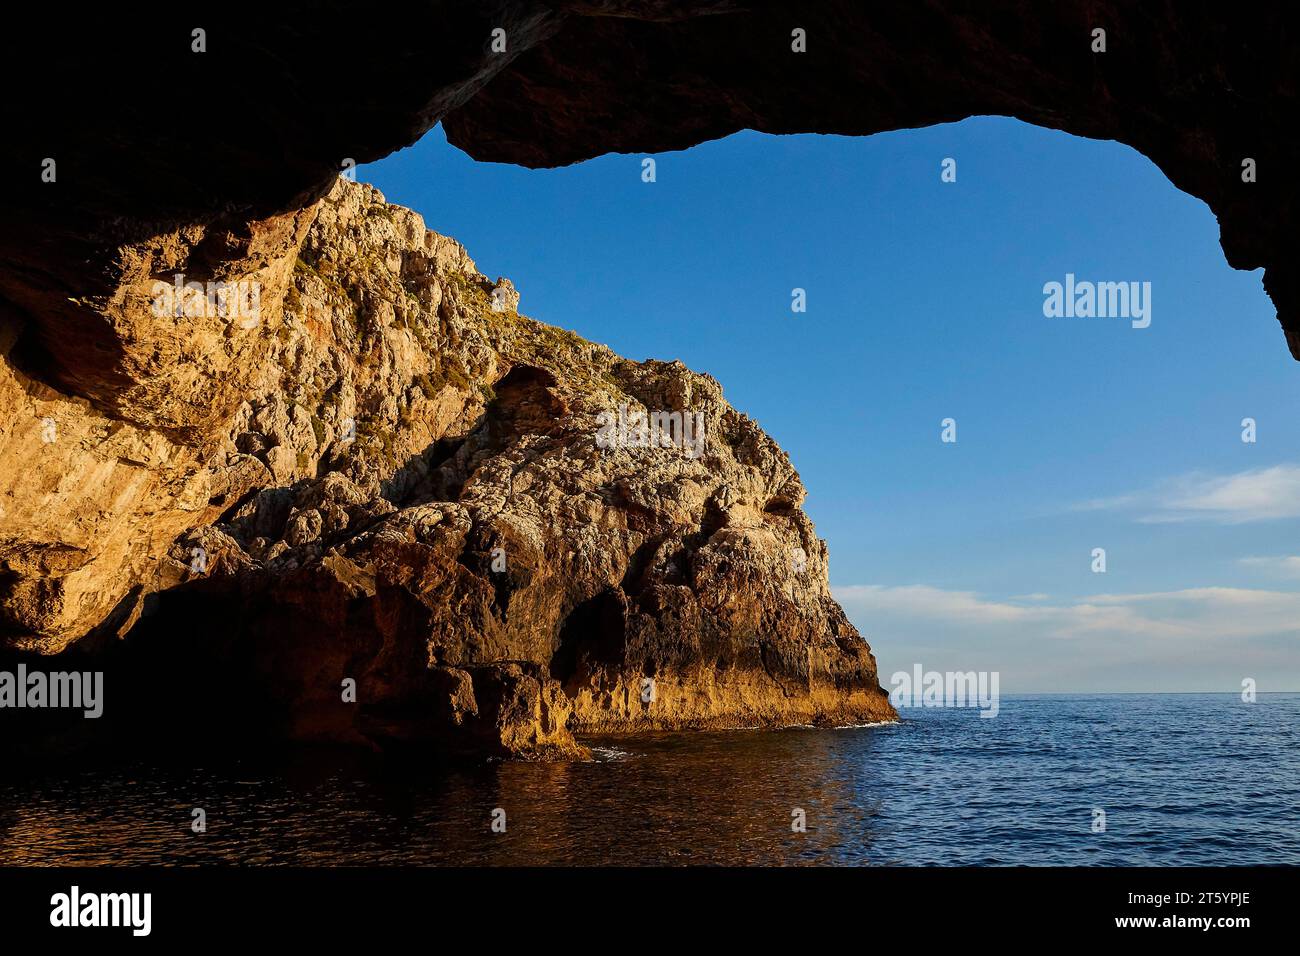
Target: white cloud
{"type": "Point", "coordinates": [1191, 639]}
{"type": "Point", "coordinates": [1286, 566]}
{"type": "Point", "coordinates": [1257, 495]}
{"type": "Point", "coordinates": [1191, 613]}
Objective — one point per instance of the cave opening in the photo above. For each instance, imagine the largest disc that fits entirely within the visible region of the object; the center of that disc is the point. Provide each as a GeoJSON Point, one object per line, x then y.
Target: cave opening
{"type": "Point", "coordinates": [884, 307]}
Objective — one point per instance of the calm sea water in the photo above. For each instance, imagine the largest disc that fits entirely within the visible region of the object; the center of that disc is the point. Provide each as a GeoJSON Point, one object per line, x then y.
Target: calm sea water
{"type": "Point", "coordinates": [1183, 779]}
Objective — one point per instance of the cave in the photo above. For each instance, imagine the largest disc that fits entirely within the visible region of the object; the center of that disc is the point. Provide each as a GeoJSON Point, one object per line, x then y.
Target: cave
{"type": "Point", "coordinates": [390, 578]}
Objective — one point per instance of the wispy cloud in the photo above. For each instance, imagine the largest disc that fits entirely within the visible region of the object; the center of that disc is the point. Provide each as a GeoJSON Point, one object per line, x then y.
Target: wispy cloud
{"type": "Point", "coordinates": [1191, 639]}
{"type": "Point", "coordinates": [1259, 494]}
{"type": "Point", "coordinates": [1214, 612]}
{"type": "Point", "coordinates": [1284, 566]}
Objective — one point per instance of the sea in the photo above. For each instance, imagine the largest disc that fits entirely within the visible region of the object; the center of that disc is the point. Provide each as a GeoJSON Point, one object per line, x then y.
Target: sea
{"type": "Point", "coordinates": [1091, 780]}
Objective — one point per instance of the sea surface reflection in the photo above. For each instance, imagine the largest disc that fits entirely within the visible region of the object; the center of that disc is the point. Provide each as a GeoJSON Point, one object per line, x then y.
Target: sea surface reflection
{"type": "Point", "coordinates": [1184, 779]}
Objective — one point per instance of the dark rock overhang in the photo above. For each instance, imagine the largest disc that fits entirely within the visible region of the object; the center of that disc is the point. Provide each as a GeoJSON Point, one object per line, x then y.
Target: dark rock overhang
{"type": "Point", "coordinates": [149, 135]}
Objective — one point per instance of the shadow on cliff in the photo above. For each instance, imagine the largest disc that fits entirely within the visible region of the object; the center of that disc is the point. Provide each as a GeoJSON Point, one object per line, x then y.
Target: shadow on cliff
{"type": "Point", "coordinates": [246, 661]}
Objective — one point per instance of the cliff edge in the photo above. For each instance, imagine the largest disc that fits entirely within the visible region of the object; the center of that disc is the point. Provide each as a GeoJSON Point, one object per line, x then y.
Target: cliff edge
{"type": "Point", "coordinates": [390, 508]}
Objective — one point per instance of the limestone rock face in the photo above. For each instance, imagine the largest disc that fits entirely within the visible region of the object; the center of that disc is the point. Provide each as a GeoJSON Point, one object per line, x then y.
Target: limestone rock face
{"type": "Point", "coordinates": [505, 298]}
{"type": "Point", "coordinates": [396, 480]}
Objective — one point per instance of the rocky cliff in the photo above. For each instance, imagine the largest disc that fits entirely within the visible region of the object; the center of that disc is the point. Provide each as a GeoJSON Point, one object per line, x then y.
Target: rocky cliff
{"type": "Point", "coordinates": [385, 475]}
{"type": "Point", "coordinates": [343, 468]}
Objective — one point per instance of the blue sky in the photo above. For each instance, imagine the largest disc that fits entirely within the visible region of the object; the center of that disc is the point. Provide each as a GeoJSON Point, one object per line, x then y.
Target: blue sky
{"type": "Point", "coordinates": [925, 301]}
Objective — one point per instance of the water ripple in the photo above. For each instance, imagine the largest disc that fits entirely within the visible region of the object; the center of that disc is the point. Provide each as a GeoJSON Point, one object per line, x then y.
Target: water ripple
{"type": "Point", "coordinates": [1182, 780]}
